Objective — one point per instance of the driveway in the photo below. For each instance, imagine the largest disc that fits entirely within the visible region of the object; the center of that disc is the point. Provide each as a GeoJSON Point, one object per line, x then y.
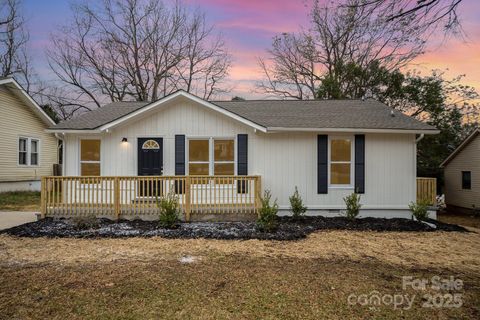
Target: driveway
{"type": "Point", "coordinates": [9, 219]}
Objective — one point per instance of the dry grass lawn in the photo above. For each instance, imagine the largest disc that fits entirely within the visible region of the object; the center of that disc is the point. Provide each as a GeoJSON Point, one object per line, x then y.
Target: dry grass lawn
{"type": "Point", "coordinates": [309, 279]}
{"type": "Point", "coordinates": [20, 201]}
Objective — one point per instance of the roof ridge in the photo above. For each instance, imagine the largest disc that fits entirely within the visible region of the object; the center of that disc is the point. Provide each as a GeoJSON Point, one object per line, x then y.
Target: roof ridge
{"type": "Point", "coordinates": [291, 100]}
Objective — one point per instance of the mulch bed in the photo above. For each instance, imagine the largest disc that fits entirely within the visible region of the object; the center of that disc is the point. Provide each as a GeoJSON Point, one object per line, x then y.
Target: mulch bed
{"type": "Point", "coordinates": [288, 228]}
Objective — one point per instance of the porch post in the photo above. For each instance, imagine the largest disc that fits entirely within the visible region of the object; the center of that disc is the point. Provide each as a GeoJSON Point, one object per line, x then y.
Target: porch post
{"type": "Point", "coordinates": [43, 207]}
{"type": "Point", "coordinates": [187, 198]}
{"type": "Point", "coordinates": [116, 197]}
{"type": "Point", "coordinates": [258, 194]}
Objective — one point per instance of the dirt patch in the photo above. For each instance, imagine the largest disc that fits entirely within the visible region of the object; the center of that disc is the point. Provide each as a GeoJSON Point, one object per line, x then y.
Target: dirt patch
{"type": "Point", "coordinates": [289, 229]}
{"type": "Point", "coordinates": [470, 220]}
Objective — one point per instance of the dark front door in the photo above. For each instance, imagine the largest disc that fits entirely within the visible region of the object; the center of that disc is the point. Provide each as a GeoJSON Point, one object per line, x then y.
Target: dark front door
{"type": "Point", "coordinates": [150, 163]}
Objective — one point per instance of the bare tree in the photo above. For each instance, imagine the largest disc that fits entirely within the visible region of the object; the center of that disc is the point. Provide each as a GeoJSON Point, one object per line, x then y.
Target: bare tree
{"type": "Point", "coordinates": [136, 50]}
{"type": "Point", "coordinates": [14, 60]}
{"type": "Point", "coordinates": [423, 12]}
{"type": "Point", "coordinates": [339, 36]}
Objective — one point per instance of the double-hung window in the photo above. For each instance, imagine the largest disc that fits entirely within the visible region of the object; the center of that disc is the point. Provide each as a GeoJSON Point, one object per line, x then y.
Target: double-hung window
{"type": "Point", "coordinates": [90, 157]}
{"type": "Point", "coordinates": [199, 157]}
{"type": "Point", "coordinates": [341, 162]}
{"type": "Point", "coordinates": [211, 156]}
{"type": "Point", "coordinates": [28, 151]}
{"type": "Point", "coordinates": [34, 152]}
{"type": "Point", "coordinates": [224, 157]}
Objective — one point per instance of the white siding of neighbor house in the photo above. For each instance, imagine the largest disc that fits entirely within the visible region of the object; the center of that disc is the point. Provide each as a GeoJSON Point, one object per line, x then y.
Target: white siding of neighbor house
{"type": "Point", "coordinates": [18, 120]}
{"type": "Point", "coordinates": [468, 159]}
{"type": "Point", "coordinates": [283, 160]}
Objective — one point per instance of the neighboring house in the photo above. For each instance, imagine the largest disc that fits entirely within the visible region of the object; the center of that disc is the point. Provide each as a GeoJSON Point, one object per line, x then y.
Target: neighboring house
{"type": "Point", "coordinates": [328, 149]}
{"type": "Point", "coordinates": [28, 152]}
{"type": "Point", "coordinates": [462, 175]}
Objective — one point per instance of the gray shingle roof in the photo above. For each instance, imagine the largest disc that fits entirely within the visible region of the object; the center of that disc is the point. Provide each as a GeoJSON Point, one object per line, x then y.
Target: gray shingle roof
{"type": "Point", "coordinates": [356, 114]}
{"type": "Point", "coordinates": [98, 117]}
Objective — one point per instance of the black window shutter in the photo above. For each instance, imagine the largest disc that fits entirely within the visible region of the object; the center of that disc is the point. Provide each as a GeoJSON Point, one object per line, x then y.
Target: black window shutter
{"type": "Point", "coordinates": [179, 161]}
{"type": "Point", "coordinates": [360, 163]}
{"type": "Point", "coordinates": [242, 161]}
{"type": "Point", "coordinates": [322, 163]}
{"type": "Point", "coordinates": [179, 155]}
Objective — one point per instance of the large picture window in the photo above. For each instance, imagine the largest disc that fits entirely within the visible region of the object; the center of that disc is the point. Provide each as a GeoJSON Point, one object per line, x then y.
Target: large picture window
{"type": "Point", "coordinates": [340, 162]}
{"type": "Point", "coordinates": [90, 157]}
{"type": "Point", "coordinates": [211, 156]}
{"type": "Point", "coordinates": [28, 151]}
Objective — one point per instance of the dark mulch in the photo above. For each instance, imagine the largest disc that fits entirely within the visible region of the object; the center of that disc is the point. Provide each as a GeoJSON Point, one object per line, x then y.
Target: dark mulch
{"type": "Point", "coordinates": [288, 228]}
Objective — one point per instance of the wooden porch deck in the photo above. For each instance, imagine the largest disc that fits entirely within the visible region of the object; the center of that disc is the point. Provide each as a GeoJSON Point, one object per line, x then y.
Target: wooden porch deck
{"type": "Point", "coordinates": [117, 197]}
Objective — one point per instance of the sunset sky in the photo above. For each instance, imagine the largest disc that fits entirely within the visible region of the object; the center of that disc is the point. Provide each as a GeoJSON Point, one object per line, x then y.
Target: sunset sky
{"type": "Point", "coordinates": [249, 25]}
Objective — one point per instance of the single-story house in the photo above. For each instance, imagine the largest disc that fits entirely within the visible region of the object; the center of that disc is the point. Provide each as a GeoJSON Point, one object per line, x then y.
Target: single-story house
{"type": "Point", "coordinates": [28, 152]}
{"type": "Point", "coordinates": [327, 148]}
{"type": "Point", "coordinates": [462, 175]}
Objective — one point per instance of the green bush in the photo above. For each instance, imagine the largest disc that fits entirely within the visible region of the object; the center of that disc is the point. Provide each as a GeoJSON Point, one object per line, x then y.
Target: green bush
{"type": "Point", "coordinates": [419, 210]}
{"type": "Point", "coordinates": [267, 218]}
{"type": "Point", "coordinates": [296, 204]}
{"type": "Point", "coordinates": [85, 222]}
{"type": "Point", "coordinates": [353, 205]}
{"type": "Point", "coordinates": [169, 212]}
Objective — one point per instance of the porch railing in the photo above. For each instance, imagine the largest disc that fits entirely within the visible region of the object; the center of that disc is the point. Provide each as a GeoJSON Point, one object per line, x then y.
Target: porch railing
{"type": "Point", "coordinates": [427, 190]}
{"type": "Point", "coordinates": [138, 195]}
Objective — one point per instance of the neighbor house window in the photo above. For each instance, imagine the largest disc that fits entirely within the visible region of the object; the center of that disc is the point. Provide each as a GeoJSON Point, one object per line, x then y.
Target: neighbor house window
{"type": "Point", "coordinates": [466, 179]}
{"type": "Point", "coordinates": [340, 162]}
{"type": "Point", "coordinates": [212, 156]}
{"type": "Point", "coordinates": [34, 152]}
{"type": "Point", "coordinates": [22, 151]}
{"type": "Point", "coordinates": [28, 151]}
{"type": "Point", "coordinates": [90, 157]}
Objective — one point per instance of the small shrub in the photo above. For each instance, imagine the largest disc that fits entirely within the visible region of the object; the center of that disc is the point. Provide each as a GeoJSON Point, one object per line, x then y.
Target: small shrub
{"type": "Point", "coordinates": [296, 204]}
{"type": "Point", "coordinates": [267, 218]}
{"type": "Point", "coordinates": [169, 212]}
{"type": "Point", "coordinates": [85, 222]}
{"type": "Point", "coordinates": [353, 205]}
{"type": "Point", "coordinates": [419, 210]}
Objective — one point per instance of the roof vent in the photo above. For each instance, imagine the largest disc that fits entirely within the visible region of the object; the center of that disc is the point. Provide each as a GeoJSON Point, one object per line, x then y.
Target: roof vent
{"type": "Point", "coordinates": [392, 114]}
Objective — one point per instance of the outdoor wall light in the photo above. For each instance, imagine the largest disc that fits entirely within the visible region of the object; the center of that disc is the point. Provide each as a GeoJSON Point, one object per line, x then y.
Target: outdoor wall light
{"type": "Point", "coordinates": [124, 139]}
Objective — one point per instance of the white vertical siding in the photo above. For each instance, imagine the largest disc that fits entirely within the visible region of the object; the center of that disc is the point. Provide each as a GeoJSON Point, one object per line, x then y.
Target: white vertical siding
{"type": "Point", "coordinates": [289, 160]}
{"type": "Point", "coordinates": [284, 160]}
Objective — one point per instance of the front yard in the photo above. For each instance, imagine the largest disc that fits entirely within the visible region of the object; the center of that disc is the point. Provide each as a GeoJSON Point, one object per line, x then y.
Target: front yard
{"type": "Point", "coordinates": [229, 279]}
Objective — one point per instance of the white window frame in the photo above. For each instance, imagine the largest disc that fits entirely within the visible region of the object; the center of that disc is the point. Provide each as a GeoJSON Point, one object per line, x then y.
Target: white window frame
{"type": "Point", "coordinates": [28, 156]}
{"type": "Point", "coordinates": [80, 161]}
{"type": "Point", "coordinates": [211, 153]}
{"type": "Point", "coordinates": [352, 161]}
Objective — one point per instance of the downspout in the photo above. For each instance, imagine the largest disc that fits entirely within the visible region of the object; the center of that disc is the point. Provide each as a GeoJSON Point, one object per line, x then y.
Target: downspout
{"type": "Point", "coordinates": [419, 138]}
{"type": "Point", "coordinates": [62, 137]}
